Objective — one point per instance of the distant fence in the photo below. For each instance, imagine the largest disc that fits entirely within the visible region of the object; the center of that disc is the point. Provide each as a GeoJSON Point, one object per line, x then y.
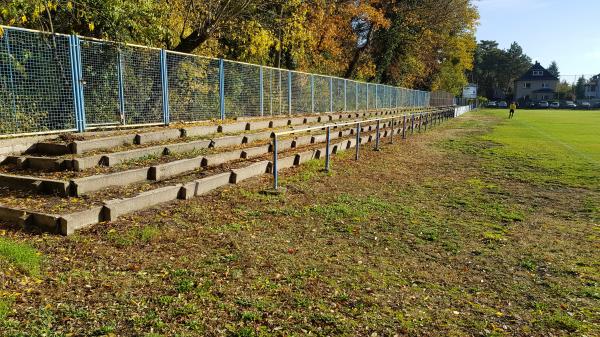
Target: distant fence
{"type": "Point", "coordinates": [56, 82]}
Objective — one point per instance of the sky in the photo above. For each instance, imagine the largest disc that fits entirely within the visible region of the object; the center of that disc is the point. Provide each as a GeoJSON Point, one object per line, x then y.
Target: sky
{"type": "Point", "coordinates": [565, 31]}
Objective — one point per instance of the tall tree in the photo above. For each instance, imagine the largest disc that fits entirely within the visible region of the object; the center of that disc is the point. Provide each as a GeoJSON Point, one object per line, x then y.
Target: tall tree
{"type": "Point", "coordinates": [553, 69]}
{"type": "Point", "coordinates": [580, 88]}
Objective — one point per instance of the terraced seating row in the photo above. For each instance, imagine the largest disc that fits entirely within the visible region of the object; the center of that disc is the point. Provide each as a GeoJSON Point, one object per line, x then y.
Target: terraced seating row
{"type": "Point", "coordinates": [110, 209]}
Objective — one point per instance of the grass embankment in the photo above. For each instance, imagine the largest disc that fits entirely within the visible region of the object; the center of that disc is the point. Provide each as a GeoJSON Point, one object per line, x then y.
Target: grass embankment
{"type": "Point", "coordinates": [483, 226]}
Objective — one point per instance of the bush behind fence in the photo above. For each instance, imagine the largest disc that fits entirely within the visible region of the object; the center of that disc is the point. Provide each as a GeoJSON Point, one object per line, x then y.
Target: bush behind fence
{"type": "Point", "coordinates": [57, 82]}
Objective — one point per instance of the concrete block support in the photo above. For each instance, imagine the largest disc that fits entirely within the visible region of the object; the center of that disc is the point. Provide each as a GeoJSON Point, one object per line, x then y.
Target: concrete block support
{"type": "Point", "coordinates": [228, 141]}
{"type": "Point", "coordinates": [249, 138]}
{"type": "Point", "coordinates": [304, 157]}
{"type": "Point", "coordinates": [120, 157]}
{"type": "Point", "coordinates": [191, 146]}
{"type": "Point", "coordinates": [279, 123]}
{"type": "Point", "coordinates": [157, 136]}
{"type": "Point", "coordinates": [259, 125]}
{"type": "Point", "coordinates": [167, 170]}
{"type": "Point", "coordinates": [233, 127]}
{"type": "Point", "coordinates": [283, 163]}
{"type": "Point", "coordinates": [204, 185]}
{"type": "Point", "coordinates": [199, 131]}
{"type": "Point", "coordinates": [84, 163]}
{"type": "Point", "coordinates": [69, 223]}
{"type": "Point", "coordinates": [79, 147]}
{"type": "Point", "coordinates": [304, 140]}
{"type": "Point", "coordinates": [51, 149]}
{"type": "Point", "coordinates": [118, 207]}
{"type": "Point", "coordinates": [256, 151]}
{"type": "Point", "coordinates": [221, 158]}
{"type": "Point", "coordinates": [249, 171]}
{"type": "Point", "coordinates": [85, 185]}
{"type": "Point", "coordinates": [35, 184]}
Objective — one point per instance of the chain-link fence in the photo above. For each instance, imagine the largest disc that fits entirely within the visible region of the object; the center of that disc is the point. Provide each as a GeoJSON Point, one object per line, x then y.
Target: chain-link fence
{"type": "Point", "coordinates": [55, 83]}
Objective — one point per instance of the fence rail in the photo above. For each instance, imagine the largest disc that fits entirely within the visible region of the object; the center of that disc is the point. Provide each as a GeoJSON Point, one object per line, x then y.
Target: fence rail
{"type": "Point", "coordinates": [56, 83]}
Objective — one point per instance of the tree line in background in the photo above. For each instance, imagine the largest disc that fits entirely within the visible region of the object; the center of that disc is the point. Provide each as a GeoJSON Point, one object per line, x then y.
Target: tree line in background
{"type": "Point", "coordinates": [495, 69]}
{"type": "Point", "coordinates": [422, 44]}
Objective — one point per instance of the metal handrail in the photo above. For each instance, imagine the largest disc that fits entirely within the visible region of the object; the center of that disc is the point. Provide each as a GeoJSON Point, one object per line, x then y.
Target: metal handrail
{"type": "Point", "coordinates": [437, 114]}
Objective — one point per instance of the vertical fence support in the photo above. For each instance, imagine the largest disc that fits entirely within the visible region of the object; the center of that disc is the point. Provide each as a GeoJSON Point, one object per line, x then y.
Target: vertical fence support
{"type": "Point", "coordinates": [345, 95]}
{"type": "Point", "coordinates": [261, 82]}
{"type": "Point", "coordinates": [289, 92]}
{"type": "Point", "coordinates": [376, 96]}
{"type": "Point", "coordinates": [312, 93]}
{"type": "Point", "coordinates": [275, 175]}
{"type": "Point", "coordinates": [356, 95]}
{"type": "Point", "coordinates": [77, 81]}
{"type": "Point", "coordinates": [403, 126]}
{"type": "Point", "coordinates": [392, 136]}
{"type": "Point", "coordinates": [164, 77]}
{"type": "Point", "coordinates": [377, 133]}
{"type": "Point", "coordinates": [327, 149]}
{"type": "Point", "coordinates": [331, 94]}
{"type": "Point", "coordinates": [222, 88]}
{"type": "Point", "coordinates": [367, 97]}
{"type": "Point", "coordinates": [121, 87]}
{"type": "Point", "coordinates": [357, 140]}
{"type": "Point", "coordinates": [12, 80]}
{"type": "Point", "coordinates": [412, 123]}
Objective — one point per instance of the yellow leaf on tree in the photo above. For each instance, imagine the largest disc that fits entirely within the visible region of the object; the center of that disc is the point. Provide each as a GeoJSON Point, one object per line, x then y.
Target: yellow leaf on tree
{"type": "Point", "coordinates": [69, 5]}
{"type": "Point", "coordinates": [91, 26]}
{"type": "Point", "coordinates": [23, 19]}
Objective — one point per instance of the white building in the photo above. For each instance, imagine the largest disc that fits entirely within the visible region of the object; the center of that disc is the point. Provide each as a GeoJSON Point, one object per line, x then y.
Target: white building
{"type": "Point", "coordinates": [592, 89]}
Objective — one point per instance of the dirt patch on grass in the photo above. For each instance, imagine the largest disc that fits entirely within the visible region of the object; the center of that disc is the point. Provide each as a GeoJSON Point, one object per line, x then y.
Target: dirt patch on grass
{"type": "Point", "coordinates": [422, 238]}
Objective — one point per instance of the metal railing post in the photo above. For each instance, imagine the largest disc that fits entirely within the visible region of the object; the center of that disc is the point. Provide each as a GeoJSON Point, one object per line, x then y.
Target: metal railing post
{"type": "Point", "coordinates": [121, 87]}
{"type": "Point", "coordinates": [327, 149]}
{"type": "Point", "coordinates": [392, 135]}
{"type": "Point", "coordinates": [412, 123]}
{"type": "Point", "coordinates": [164, 78]}
{"type": "Point", "coordinates": [222, 88]}
{"type": "Point", "coordinates": [357, 140]}
{"type": "Point", "coordinates": [377, 132]}
{"type": "Point", "coordinates": [356, 95]}
{"type": "Point", "coordinates": [403, 126]}
{"type": "Point", "coordinates": [376, 96]}
{"type": "Point", "coordinates": [275, 174]}
{"type": "Point", "coordinates": [77, 82]}
{"type": "Point", "coordinates": [420, 121]}
{"type": "Point", "coordinates": [367, 107]}
{"type": "Point", "coordinates": [262, 92]}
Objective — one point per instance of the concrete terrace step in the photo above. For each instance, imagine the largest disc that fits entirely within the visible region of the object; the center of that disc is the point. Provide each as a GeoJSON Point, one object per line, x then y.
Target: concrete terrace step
{"type": "Point", "coordinates": [110, 209]}
{"type": "Point", "coordinates": [112, 159]}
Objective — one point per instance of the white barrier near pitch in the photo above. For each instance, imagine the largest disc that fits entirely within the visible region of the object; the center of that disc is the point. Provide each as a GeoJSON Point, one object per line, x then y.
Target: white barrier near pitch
{"type": "Point", "coordinates": [462, 110]}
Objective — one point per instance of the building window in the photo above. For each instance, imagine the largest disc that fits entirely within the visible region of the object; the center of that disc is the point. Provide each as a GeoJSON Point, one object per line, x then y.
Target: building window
{"type": "Point", "coordinates": [544, 85]}
{"type": "Point", "coordinates": [538, 73]}
{"type": "Point", "coordinates": [526, 85]}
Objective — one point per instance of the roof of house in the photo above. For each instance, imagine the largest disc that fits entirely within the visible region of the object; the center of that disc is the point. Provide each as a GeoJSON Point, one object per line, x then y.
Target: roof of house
{"type": "Point", "coordinates": [546, 76]}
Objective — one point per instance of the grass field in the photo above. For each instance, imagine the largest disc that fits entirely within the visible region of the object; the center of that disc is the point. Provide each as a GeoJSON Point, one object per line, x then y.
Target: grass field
{"type": "Point", "coordinates": [483, 226]}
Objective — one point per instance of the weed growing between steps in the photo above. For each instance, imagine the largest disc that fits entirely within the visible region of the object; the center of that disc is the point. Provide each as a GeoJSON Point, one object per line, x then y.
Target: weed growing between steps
{"type": "Point", "coordinates": [432, 236]}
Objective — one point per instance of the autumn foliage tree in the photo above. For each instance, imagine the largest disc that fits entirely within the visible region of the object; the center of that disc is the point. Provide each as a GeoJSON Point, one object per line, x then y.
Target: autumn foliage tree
{"type": "Point", "coordinates": [426, 44]}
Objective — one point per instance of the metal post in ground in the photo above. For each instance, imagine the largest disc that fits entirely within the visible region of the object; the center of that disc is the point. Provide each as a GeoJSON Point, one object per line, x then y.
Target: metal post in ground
{"type": "Point", "coordinates": [121, 89]}
{"type": "Point", "coordinates": [412, 123]}
{"type": "Point", "coordinates": [327, 150]}
{"type": "Point", "coordinates": [222, 88]}
{"type": "Point", "coordinates": [275, 175]}
{"type": "Point", "coordinates": [377, 136]}
{"type": "Point", "coordinates": [420, 121]}
{"type": "Point", "coordinates": [403, 126]}
{"type": "Point", "coordinates": [357, 140]}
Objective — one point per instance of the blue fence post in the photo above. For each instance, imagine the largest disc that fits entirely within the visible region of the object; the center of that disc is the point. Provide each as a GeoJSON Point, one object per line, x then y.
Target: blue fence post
{"type": "Point", "coordinates": [312, 93]}
{"type": "Point", "coordinates": [356, 96]}
{"type": "Point", "coordinates": [262, 92]}
{"type": "Point", "coordinates": [76, 78]}
{"type": "Point", "coordinates": [289, 92]}
{"type": "Point", "coordinates": [12, 80]}
{"type": "Point", "coordinates": [367, 96]}
{"type": "Point", "coordinates": [121, 87]}
{"type": "Point", "coordinates": [222, 88]}
{"type": "Point", "coordinates": [376, 95]}
{"type": "Point", "coordinates": [164, 78]}
{"type": "Point", "coordinates": [345, 95]}
{"type": "Point", "coordinates": [331, 94]}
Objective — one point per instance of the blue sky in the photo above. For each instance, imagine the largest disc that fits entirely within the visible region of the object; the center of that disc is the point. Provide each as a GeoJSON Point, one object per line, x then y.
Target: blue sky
{"type": "Point", "coordinates": [565, 31]}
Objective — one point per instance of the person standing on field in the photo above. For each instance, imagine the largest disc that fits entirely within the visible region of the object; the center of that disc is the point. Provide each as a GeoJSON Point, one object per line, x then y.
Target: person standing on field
{"type": "Point", "coordinates": [513, 107]}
